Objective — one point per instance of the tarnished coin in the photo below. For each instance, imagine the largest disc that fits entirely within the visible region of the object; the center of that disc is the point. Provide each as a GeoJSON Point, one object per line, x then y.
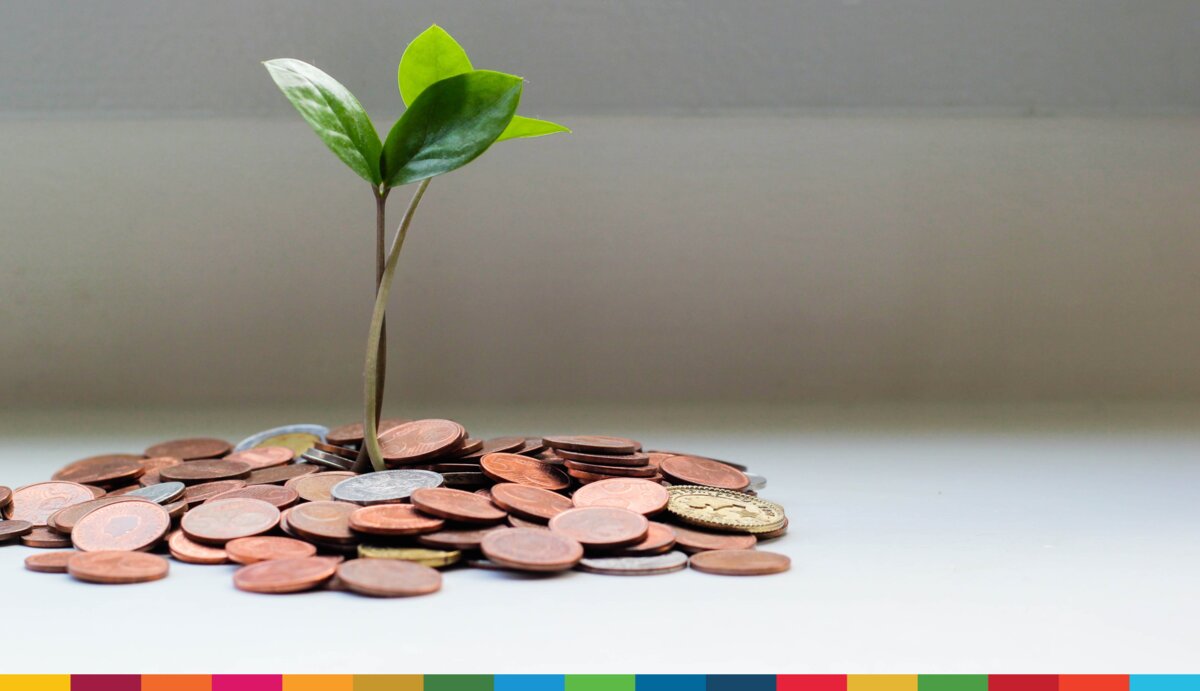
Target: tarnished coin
{"type": "Point", "coordinates": [298, 438]}
{"type": "Point", "coordinates": [44, 538]}
{"type": "Point", "coordinates": [263, 456]}
{"type": "Point", "coordinates": [11, 530]}
{"type": "Point", "coordinates": [393, 519]}
{"type": "Point", "coordinates": [691, 540]}
{"type": "Point", "coordinates": [692, 470]}
{"type": "Point", "coordinates": [457, 539]}
{"type": "Point", "coordinates": [195, 472]}
{"type": "Point", "coordinates": [218, 522]}
{"type": "Point", "coordinates": [275, 495]}
{"type": "Point", "coordinates": [593, 444]}
{"type": "Point", "coordinates": [518, 522]}
{"type": "Point", "coordinates": [740, 562]}
{"type": "Point", "coordinates": [162, 493]}
{"type": "Point", "coordinates": [643, 496]}
{"type": "Point", "coordinates": [660, 538]}
{"type": "Point", "coordinates": [618, 459]}
{"type": "Point", "coordinates": [611, 470]}
{"type": "Point", "coordinates": [510, 467]}
{"type": "Point", "coordinates": [190, 552]}
{"type": "Point", "coordinates": [248, 550]}
{"type": "Point", "coordinates": [419, 440]}
{"type": "Point", "coordinates": [35, 503]}
{"type": "Point", "coordinates": [191, 449]}
{"type": "Point", "coordinates": [129, 526]}
{"type": "Point", "coordinates": [316, 487]}
{"type": "Point", "coordinates": [456, 505]}
{"type": "Point", "coordinates": [323, 520]}
{"type": "Point", "coordinates": [197, 494]}
{"type": "Point", "coordinates": [433, 558]}
{"type": "Point", "coordinates": [107, 470]}
{"type": "Point", "coordinates": [635, 566]}
{"type": "Point", "coordinates": [280, 474]}
{"type": "Point", "coordinates": [601, 527]}
{"type": "Point", "coordinates": [721, 509]}
{"type": "Point", "coordinates": [385, 487]}
{"type": "Point", "coordinates": [117, 567]}
{"type": "Point", "coordinates": [353, 433]}
{"type": "Point", "coordinates": [285, 575]}
{"type": "Point", "coordinates": [528, 549]}
{"type": "Point", "coordinates": [49, 562]}
{"type": "Point", "coordinates": [5, 496]}
{"type": "Point", "coordinates": [388, 577]}
{"type": "Point", "coordinates": [531, 503]}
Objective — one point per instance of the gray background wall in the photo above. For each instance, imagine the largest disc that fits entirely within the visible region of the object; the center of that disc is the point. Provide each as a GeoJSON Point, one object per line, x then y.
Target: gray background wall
{"type": "Point", "coordinates": [762, 201]}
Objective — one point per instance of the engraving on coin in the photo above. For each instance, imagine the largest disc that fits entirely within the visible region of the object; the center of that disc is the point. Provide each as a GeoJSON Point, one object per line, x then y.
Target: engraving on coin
{"type": "Point", "coordinates": [420, 439]}
{"type": "Point", "coordinates": [386, 487]}
{"type": "Point", "coordinates": [635, 566]}
{"type": "Point", "coordinates": [35, 503]}
{"type": "Point", "coordinates": [722, 509]}
{"type": "Point", "coordinates": [691, 470]}
{"type": "Point", "coordinates": [643, 496]}
{"type": "Point", "coordinates": [509, 467]}
{"type": "Point", "coordinates": [740, 562]}
{"type": "Point", "coordinates": [128, 526]}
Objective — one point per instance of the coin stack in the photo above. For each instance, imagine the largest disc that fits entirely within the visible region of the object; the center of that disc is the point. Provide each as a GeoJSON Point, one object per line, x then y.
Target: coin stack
{"type": "Point", "coordinates": [287, 506]}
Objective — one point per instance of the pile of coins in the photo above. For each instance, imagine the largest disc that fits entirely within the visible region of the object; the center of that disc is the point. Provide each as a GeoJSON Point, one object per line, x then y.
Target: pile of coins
{"type": "Point", "coordinates": [287, 506]}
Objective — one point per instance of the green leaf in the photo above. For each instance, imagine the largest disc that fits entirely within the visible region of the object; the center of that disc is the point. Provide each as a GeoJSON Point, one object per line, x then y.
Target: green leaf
{"type": "Point", "coordinates": [449, 125]}
{"type": "Point", "coordinates": [522, 127]}
{"type": "Point", "coordinates": [430, 58]}
{"type": "Point", "coordinates": [334, 114]}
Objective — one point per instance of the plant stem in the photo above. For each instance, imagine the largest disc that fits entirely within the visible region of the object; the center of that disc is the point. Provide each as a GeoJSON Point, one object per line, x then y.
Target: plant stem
{"type": "Point", "coordinates": [381, 355]}
{"type": "Point", "coordinates": [371, 382]}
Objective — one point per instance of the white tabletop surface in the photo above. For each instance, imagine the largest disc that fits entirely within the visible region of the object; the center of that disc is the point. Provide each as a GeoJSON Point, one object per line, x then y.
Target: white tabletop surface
{"type": "Point", "coordinates": [1001, 549]}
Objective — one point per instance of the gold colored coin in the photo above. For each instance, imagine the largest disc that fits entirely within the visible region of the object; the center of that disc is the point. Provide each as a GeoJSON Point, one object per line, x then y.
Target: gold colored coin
{"type": "Point", "coordinates": [427, 557]}
{"type": "Point", "coordinates": [298, 442]}
{"type": "Point", "coordinates": [722, 509]}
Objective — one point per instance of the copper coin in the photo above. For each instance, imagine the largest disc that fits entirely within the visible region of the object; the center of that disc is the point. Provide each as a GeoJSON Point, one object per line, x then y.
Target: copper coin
{"type": "Point", "coordinates": [158, 462]}
{"type": "Point", "coordinates": [457, 539]}
{"type": "Point", "coordinates": [176, 509]}
{"type": "Point", "coordinates": [219, 522]}
{"type": "Point", "coordinates": [456, 505]}
{"type": "Point", "coordinates": [533, 445]}
{"type": "Point", "coordinates": [197, 494]}
{"type": "Point", "coordinates": [279, 497]}
{"type": "Point", "coordinates": [285, 575]}
{"type": "Point", "coordinates": [502, 445]}
{"type": "Point", "coordinates": [388, 577]}
{"type": "Point", "coordinates": [619, 459]}
{"type": "Point", "coordinates": [11, 530]}
{"type": "Point", "coordinates": [643, 496]}
{"type": "Point", "coordinates": [593, 444]}
{"type": "Point", "coordinates": [117, 567]}
{"type": "Point", "coordinates": [323, 520]}
{"type": "Point", "coordinates": [740, 562]}
{"type": "Point", "coordinates": [530, 549]}
{"type": "Point", "coordinates": [44, 538]}
{"type": "Point", "coordinates": [49, 562]}
{"type": "Point", "coordinates": [510, 467]}
{"type": "Point", "coordinates": [518, 522]}
{"type": "Point", "coordinates": [248, 550]}
{"type": "Point", "coordinates": [341, 451]}
{"type": "Point", "coordinates": [531, 503]}
{"type": "Point", "coordinates": [659, 539]}
{"type": "Point", "coordinates": [394, 519]}
{"type": "Point", "coordinates": [692, 470]}
{"type": "Point", "coordinates": [353, 432]}
{"type": "Point", "coordinates": [185, 550]}
{"type": "Point", "coordinates": [104, 470]}
{"type": "Point", "coordinates": [263, 456]}
{"type": "Point", "coordinates": [602, 527]}
{"type": "Point", "coordinates": [191, 449]}
{"type": "Point", "coordinates": [315, 487]}
{"type": "Point", "coordinates": [618, 470]}
{"type": "Point", "coordinates": [657, 457]}
{"type": "Point", "coordinates": [691, 540]}
{"type": "Point", "coordinates": [280, 474]}
{"type": "Point", "coordinates": [5, 496]}
{"type": "Point", "coordinates": [469, 446]}
{"type": "Point", "coordinates": [129, 526]}
{"type": "Point", "coordinates": [418, 440]}
{"type": "Point", "coordinates": [195, 472]}
{"type": "Point", "coordinates": [97, 492]}
{"type": "Point", "coordinates": [35, 503]}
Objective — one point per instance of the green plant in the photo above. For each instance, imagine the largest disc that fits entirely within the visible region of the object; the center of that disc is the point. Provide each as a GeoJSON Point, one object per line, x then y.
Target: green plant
{"type": "Point", "coordinates": [454, 113]}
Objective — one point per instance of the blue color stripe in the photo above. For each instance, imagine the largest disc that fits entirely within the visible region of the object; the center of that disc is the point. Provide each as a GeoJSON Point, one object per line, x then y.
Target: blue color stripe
{"type": "Point", "coordinates": [528, 682]}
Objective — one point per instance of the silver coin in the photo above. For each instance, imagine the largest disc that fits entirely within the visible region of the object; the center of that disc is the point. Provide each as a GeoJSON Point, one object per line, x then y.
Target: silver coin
{"type": "Point", "coordinates": [635, 566]}
{"type": "Point", "coordinates": [384, 487]}
{"type": "Point", "coordinates": [162, 493]}
{"type": "Point", "coordinates": [328, 460]}
{"type": "Point", "coordinates": [256, 439]}
{"type": "Point", "coordinates": [757, 482]}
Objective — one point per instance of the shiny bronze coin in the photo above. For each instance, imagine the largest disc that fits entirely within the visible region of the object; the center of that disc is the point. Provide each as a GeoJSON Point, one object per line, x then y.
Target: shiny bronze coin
{"type": "Point", "coordinates": [129, 526]}
{"type": "Point", "coordinates": [531, 503]}
{"type": "Point", "coordinates": [509, 467]}
{"type": "Point", "coordinates": [5, 496]}
{"type": "Point", "coordinates": [469, 446]}
{"type": "Point", "coordinates": [388, 577]}
{"type": "Point", "coordinates": [353, 433]}
{"type": "Point", "coordinates": [11, 530]}
{"type": "Point", "coordinates": [529, 549]}
{"type": "Point", "coordinates": [218, 522]}
{"type": "Point", "coordinates": [117, 567]}
{"type": "Point", "coordinates": [44, 538]}
{"type": "Point", "coordinates": [419, 440]}
{"type": "Point", "coordinates": [263, 456]}
{"type": "Point", "coordinates": [484, 492]}
{"type": "Point", "coordinates": [190, 552]}
{"type": "Point", "coordinates": [107, 470]}
{"type": "Point", "coordinates": [315, 487]}
{"type": "Point", "coordinates": [618, 459]}
{"type": "Point", "coordinates": [323, 520]}
{"type": "Point", "coordinates": [97, 492]}
{"type": "Point", "coordinates": [593, 444]}
{"type": "Point", "coordinates": [198, 494]}
{"type": "Point", "coordinates": [533, 445]}
{"type": "Point", "coordinates": [196, 472]}
{"type": "Point", "coordinates": [35, 503]}
{"type": "Point", "coordinates": [191, 449]}
{"type": "Point", "coordinates": [612, 470]}
{"type": "Point", "coordinates": [49, 562]}
{"type": "Point", "coordinates": [457, 539]}
{"type": "Point", "coordinates": [692, 540]}
{"type": "Point", "coordinates": [279, 475]}
{"type": "Point", "coordinates": [588, 478]}
{"type": "Point", "coordinates": [502, 445]}
{"type": "Point", "coordinates": [657, 457]}
{"type": "Point", "coordinates": [601, 527]}
{"type": "Point", "coordinates": [518, 522]}
{"type": "Point", "coordinates": [285, 575]}
{"type": "Point", "coordinates": [740, 562]}
{"type": "Point", "coordinates": [176, 509]}
{"type": "Point", "coordinates": [249, 550]}
{"type": "Point", "coordinates": [659, 539]}
{"type": "Point", "coordinates": [642, 496]}
{"type": "Point", "coordinates": [692, 470]}
{"type": "Point", "coordinates": [635, 565]}
{"type": "Point", "coordinates": [456, 505]}
{"type": "Point", "coordinates": [340, 451]}
{"type": "Point", "coordinates": [394, 519]}
{"type": "Point", "coordinates": [158, 462]}
{"type": "Point", "coordinates": [279, 497]}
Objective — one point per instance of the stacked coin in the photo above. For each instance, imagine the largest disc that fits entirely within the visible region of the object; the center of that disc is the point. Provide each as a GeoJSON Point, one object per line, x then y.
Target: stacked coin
{"type": "Point", "coordinates": [286, 505]}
